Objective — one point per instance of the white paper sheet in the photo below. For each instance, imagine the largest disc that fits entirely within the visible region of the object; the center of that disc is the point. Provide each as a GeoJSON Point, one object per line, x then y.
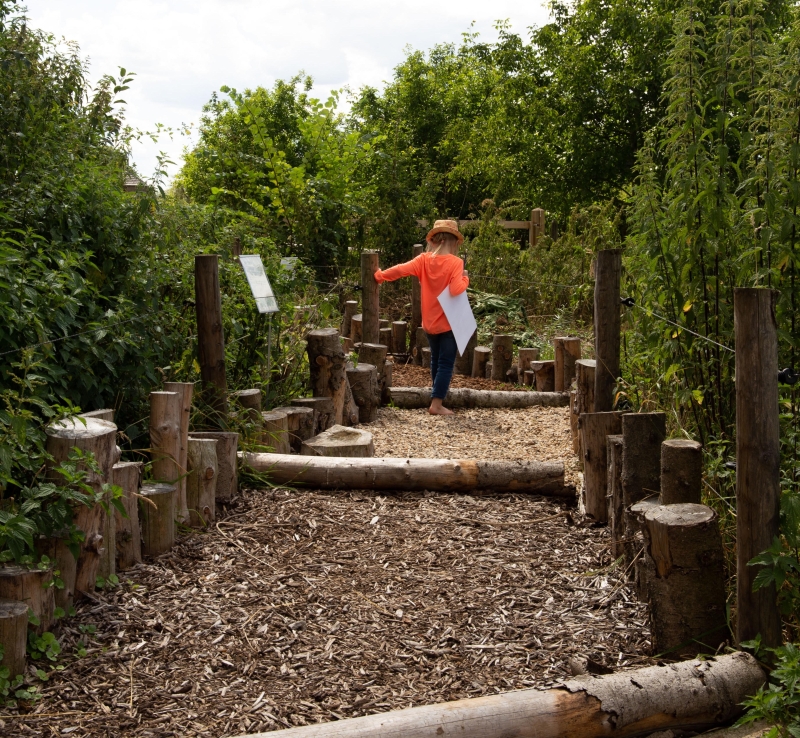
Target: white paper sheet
{"type": "Point", "coordinates": [459, 315]}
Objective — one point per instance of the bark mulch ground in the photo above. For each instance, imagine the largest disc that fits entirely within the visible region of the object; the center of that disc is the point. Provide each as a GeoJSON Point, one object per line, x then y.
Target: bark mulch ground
{"type": "Point", "coordinates": [411, 375]}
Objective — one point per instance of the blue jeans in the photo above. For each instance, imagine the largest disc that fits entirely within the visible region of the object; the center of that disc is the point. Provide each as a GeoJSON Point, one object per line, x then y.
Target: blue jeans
{"type": "Point", "coordinates": [443, 359]}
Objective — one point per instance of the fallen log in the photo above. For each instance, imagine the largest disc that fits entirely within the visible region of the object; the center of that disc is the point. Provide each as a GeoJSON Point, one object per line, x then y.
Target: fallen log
{"type": "Point", "coordinates": [434, 475]}
{"type": "Point", "coordinates": [412, 398]}
{"type": "Point", "coordinates": [692, 695]}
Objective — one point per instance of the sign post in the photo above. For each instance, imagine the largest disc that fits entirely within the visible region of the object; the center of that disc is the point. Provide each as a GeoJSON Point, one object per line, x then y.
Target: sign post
{"type": "Point", "coordinates": [264, 297]}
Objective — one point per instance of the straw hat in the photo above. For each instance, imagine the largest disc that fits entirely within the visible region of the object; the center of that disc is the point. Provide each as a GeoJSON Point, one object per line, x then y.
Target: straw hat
{"type": "Point", "coordinates": [446, 226]}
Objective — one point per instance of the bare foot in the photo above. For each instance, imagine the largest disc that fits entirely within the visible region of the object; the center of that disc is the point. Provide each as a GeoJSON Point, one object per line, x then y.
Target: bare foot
{"type": "Point", "coordinates": [437, 409]}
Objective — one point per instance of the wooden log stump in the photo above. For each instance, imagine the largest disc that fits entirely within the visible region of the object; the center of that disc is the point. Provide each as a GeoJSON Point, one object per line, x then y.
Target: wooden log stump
{"type": "Point", "coordinates": [594, 428]}
{"type": "Point", "coordinates": [348, 346]}
{"type": "Point", "coordinates": [480, 358]}
{"type": "Point", "coordinates": [211, 337]}
{"type": "Point", "coordinates": [386, 385]}
{"type": "Point", "coordinates": [105, 413]}
{"type": "Point", "coordinates": [426, 357]}
{"type": "Point", "coordinates": [544, 372]}
{"type": "Point", "coordinates": [366, 391]}
{"type": "Point", "coordinates": [420, 343]}
{"type": "Point", "coordinates": [300, 421]}
{"type": "Point", "coordinates": [643, 434]}
{"type": "Point", "coordinates": [227, 464]}
{"type": "Point", "coordinates": [399, 337]}
{"type": "Point", "coordinates": [166, 418]}
{"type": "Point", "coordinates": [385, 338]}
{"type": "Point", "coordinates": [463, 365]}
{"type": "Point", "coordinates": [157, 511]}
{"type": "Point", "coordinates": [107, 566]}
{"type": "Point", "coordinates": [350, 309]}
{"type": "Point", "coordinates": [275, 431]}
{"type": "Point", "coordinates": [512, 375]}
{"type": "Point", "coordinates": [529, 378]}
{"type": "Point", "coordinates": [350, 411]}
{"type": "Point", "coordinates": [687, 591]}
{"type": "Point", "coordinates": [33, 588]}
{"type": "Point", "coordinates": [574, 425]}
{"type": "Point", "coordinates": [57, 550]}
{"type": "Point", "coordinates": [13, 636]}
{"type": "Point", "coordinates": [681, 471]}
{"type": "Point", "coordinates": [250, 401]}
{"type": "Point", "coordinates": [385, 323]}
{"type": "Point", "coordinates": [201, 487]}
{"type": "Point", "coordinates": [489, 365]}
{"type": "Point", "coordinates": [584, 395]}
{"type": "Point", "coordinates": [327, 362]}
{"type": "Point", "coordinates": [502, 356]}
{"type": "Point", "coordinates": [323, 411]}
{"type": "Point", "coordinates": [370, 297]}
{"type": "Point", "coordinates": [356, 328]}
{"type": "Point", "coordinates": [567, 350]}
{"type": "Point", "coordinates": [185, 390]}
{"type": "Point", "coordinates": [634, 545]}
{"type": "Point", "coordinates": [375, 354]}
{"type": "Point", "coordinates": [526, 356]}
{"type": "Point", "coordinates": [608, 268]}
{"type": "Point", "coordinates": [416, 307]}
{"type": "Point", "coordinates": [339, 441]}
{"type": "Point", "coordinates": [128, 537]}
{"type": "Point", "coordinates": [616, 508]}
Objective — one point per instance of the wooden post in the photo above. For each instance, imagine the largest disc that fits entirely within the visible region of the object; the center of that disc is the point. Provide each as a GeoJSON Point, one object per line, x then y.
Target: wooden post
{"type": "Point", "coordinates": [502, 356]}
{"type": "Point", "coordinates": [327, 363]}
{"type": "Point", "coordinates": [33, 587]}
{"type": "Point", "coordinates": [300, 421]}
{"type": "Point", "coordinates": [366, 390]}
{"type": "Point", "coordinates": [616, 509]}
{"type": "Point", "coordinates": [537, 226]}
{"type": "Point", "coordinates": [386, 385]}
{"type": "Point", "coordinates": [250, 400]}
{"type": "Point", "coordinates": [607, 270]}
{"type": "Point", "coordinates": [529, 378]}
{"type": "Point", "coordinates": [480, 357]}
{"type": "Point", "coordinates": [350, 309]}
{"type": "Point", "coordinates": [399, 337]}
{"type": "Point", "coordinates": [128, 537]}
{"type": "Point", "coordinates": [13, 636]}
{"type": "Point", "coordinates": [526, 356]}
{"type": "Point", "coordinates": [370, 298]}
{"type": "Point", "coordinates": [594, 428]}
{"type": "Point", "coordinates": [185, 390]}
{"type": "Point", "coordinates": [166, 419]}
{"type": "Point", "coordinates": [356, 325]}
{"type": "Point", "coordinates": [757, 459]}
{"type": "Point", "coordinates": [385, 338]}
{"type": "Point", "coordinates": [584, 397]}
{"type": "Point", "coordinates": [375, 354]}
{"type": "Point", "coordinates": [681, 471]}
{"type": "Point", "coordinates": [544, 372]}
{"type": "Point", "coordinates": [567, 351]}
{"type": "Point", "coordinates": [463, 363]}
{"type": "Point", "coordinates": [227, 465]}
{"type": "Point", "coordinates": [275, 431]}
{"type": "Point", "coordinates": [210, 336]}
{"type": "Point", "coordinates": [416, 307]}
{"type": "Point", "coordinates": [157, 515]}
{"type": "Point", "coordinates": [201, 485]}
{"type": "Point", "coordinates": [323, 411]}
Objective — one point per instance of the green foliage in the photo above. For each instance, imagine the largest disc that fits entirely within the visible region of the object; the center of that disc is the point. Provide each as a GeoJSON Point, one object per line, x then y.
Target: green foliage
{"type": "Point", "coordinates": [44, 646]}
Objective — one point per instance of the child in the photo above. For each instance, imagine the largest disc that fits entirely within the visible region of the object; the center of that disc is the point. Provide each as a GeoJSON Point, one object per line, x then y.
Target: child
{"type": "Point", "coordinates": [437, 269]}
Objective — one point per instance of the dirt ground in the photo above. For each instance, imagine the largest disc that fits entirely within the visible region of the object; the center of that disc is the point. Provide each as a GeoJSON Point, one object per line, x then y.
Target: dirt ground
{"type": "Point", "coordinates": [411, 375]}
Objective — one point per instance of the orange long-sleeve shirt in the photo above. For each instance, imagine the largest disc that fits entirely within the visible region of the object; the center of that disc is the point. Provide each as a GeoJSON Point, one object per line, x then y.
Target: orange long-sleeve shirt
{"type": "Point", "coordinates": [435, 274]}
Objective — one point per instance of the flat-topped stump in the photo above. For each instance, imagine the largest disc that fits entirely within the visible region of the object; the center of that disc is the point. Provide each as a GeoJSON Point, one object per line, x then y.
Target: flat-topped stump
{"type": "Point", "coordinates": [340, 441]}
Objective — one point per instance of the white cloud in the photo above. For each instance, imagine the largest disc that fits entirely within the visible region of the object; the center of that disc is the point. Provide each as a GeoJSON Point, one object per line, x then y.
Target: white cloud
{"type": "Point", "coordinates": [183, 50]}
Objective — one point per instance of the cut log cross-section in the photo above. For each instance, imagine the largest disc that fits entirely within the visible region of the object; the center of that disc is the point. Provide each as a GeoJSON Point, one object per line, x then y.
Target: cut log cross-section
{"type": "Point", "coordinates": [227, 465]}
{"type": "Point", "coordinates": [127, 475]}
{"type": "Point", "coordinates": [185, 390]}
{"type": "Point", "coordinates": [616, 508]}
{"type": "Point", "coordinates": [342, 442]}
{"type": "Point", "coordinates": [544, 373]}
{"type": "Point", "coordinates": [595, 428]}
{"type": "Point", "coordinates": [13, 636]}
{"type": "Point", "coordinates": [275, 431]}
{"type": "Point", "coordinates": [327, 362]}
{"type": "Point", "coordinates": [681, 471]}
{"type": "Point", "coordinates": [502, 356]}
{"type": "Point", "coordinates": [201, 485]}
{"type": "Point", "coordinates": [34, 588]}
{"type": "Point", "coordinates": [567, 350]}
{"type": "Point", "coordinates": [366, 391]}
{"type": "Point", "coordinates": [323, 411]}
{"type": "Point", "coordinates": [480, 357]}
{"type": "Point", "coordinates": [157, 515]}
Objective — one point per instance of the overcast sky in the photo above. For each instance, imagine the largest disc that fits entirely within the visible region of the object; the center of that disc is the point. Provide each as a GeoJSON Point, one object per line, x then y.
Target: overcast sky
{"type": "Point", "coordinates": [183, 50]}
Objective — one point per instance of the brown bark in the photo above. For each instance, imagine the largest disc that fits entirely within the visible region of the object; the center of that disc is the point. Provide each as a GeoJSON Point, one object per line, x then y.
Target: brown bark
{"type": "Point", "coordinates": [13, 636]}
{"type": "Point", "coordinates": [300, 421]}
{"type": "Point", "coordinates": [502, 356]}
{"type": "Point", "coordinates": [250, 400]}
{"type": "Point", "coordinates": [366, 391]}
{"type": "Point", "coordinates": [634, 545]}
{"type": "Point", "coordinates": [386, 384]}
{"type": "Point", "coordinates": [643, 434]}
{"type": "Point", "coordinates": [526, 356]}
{"type": "Point", "coordinates": [370, 298]}
{"type": "Point", "coordinates": [416, 308]}
{"type": "Point", "coordinates": [201, 485]}
{"type": "Point", "coordinates": [385, 338]}
{"type": "Point", "coordinates": [529, 378]}
{"type": "Point", "coordinates": [399, 337]}
{"type": "Point", "coordinates": [584, 397]}
{"type": "Point", "coordinates": [567, 351]}
{"type": "Point", "coordinates": [210, 336]}
{"type": "Point", "coordinates": [426, 357]}
{"type": "Point", "coordinates": [757, 459]}
{"type": "Point", "coordinates": [480, 358]}
{"type": "Point", "coordinates": [410, 398]}
{"type": "Point", "coordinates": [33, 588]}
{"type": "Point", "coordinates": [340, 441]}
{"type": "Point", "coordinates": [595, 427]}
{"type": "Point", "coordinates": [56, 549]}
{"type": "Point", "coordinates": [573, 423]}
{"type": "Point", "coordinates": [681, 471]}
{"type": "Point", "coordinates": [608, 268]}
{"type": "Point", "coordinates": [157, 510]}
{"type": "Point", "coordinates": [275, 424]}
{"type": "Point", "coordinates": [227, 474]}
{"type": "Point", "coordinates": [464, 361]}
{"type": "Point", "coordinates": [356, 324]}
{"type": "Point", "coordinates": [166, 411]}
{"type": "Point", "coordinates": [350, 411]}
{"type": "Point", "coordinates": [488, 369]}
{"type": "Point", "coordinates": [616, 509]}
{"type": "Point", "coordinates": [327, 363]}
{"type": "Point", "coordinates": [512, 375]}
{"type": "Point", "coordinates": [420, 342]}
{"type": "Point", "coordinates": [544, 372]}
{"type": "Point", "coordinates": [350, 309]}
{"type": "Point", "coordinates": [323, 411]}
{"type": "Point", "coordinates": [185, 390]}
{"type": "Point", "coordinates": [375, 354]}
{"type": "Point", "coordinates": [128, 475]}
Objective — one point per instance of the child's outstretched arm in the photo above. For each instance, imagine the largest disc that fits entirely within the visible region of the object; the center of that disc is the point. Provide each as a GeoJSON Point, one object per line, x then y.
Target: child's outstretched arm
{"type": "Point", "coordinates": [459, 281]}
{"type": "Point", "coordinates": [408, 269]}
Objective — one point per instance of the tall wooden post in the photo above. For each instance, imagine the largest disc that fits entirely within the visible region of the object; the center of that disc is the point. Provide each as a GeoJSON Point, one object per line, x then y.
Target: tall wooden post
{"type": "Point", "coordinates": [370, 298]}
{"type": "Point", "coordinates": [606, 327]}
{"type": "Point", "coordinates": [757, 458]}
{"type": "Point", "coordinates": [210, 336]}
{"type": "Point", "coordinates": [537, 224]}
{"type": "Point", "coordinates": [416, 308]}
{"type": "Point", "coordinates": [185, 390]}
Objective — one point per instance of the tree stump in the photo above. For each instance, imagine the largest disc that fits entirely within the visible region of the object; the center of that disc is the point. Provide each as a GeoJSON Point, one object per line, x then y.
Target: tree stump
{"type": "Point", "coordinates": [323, 411]}
{"type": "Point", "coordinates": [480, 357]}
{"type": "Point", "coordinates": [340, 441]}
{"type": "Point", "coordinates": [544, 372]}
{"type": "Point", "coordinates": [275, 431]}
{"type": "Point", "coordinates": [185, 390]}
{"type": "Point", "coordinates": [107, 565]}
{"type": "Point", "coordinates": [584, 395]}
{"type": "Point", "coordinates": [370, 297]}
{"type": "Point", "coordinates": [99, 437]}
{"type": "Point", "coordinates": [356, 324]}
{"type": "Point", "coordinates": [128, 537]}
{"type": "Point", "coordinates": [574, 426]}
{"type": "Point", "coordinates": [347, 345]}
{"type": "Point", "coordinates": [386, 385]}
{"type": "Point", "coordinates": [250, 400]}
{"type": "Point", "coordinates": [687, 590]}
{"type": "Point", "coordinates": [399, 337]}
{"type": "Point", "coordinates": [681, 471]}
{"type": "Point", "coordinates": [327, 362]}
{"type": "Point", "coordinates": [567, 350]}
{"type": "Point", "coordinates": [227, 463]}
{"type": "Point", "coordinates": [616, 508]}
{"type": "Point", "coordinates": [166, 418]}
{"type": "Point", "coordinates": [157, 515]}
{"type": "Point", "coordinates": [426, 357]}
{"type": "Point", "coordinates": [502, 356]}
{"type": "Point", "coordinates": [529, 378]}
{"type": "Point", "coordinates": [33, 588]}
{"type": "Point", "coordinates": [350, 309]}
{"type": "Point", "coordinates": [201, 487]}
{"type": "Point", "coordinates": [643, 434]}
{"type": "Point", "coordinates": [375, 354]}
{"type": "Point", "coordinates": [488, 369]}
{"type": "Point", "coordinates": [385, 338]}
{"type": "Point", "coordinates": [366, 391]}
{"type": "Point", "coordinates": [420, 343]}
{"type": "Point", "coordinates": [526, 356]}
{"type": "Point", "coordinates": [105, 413]}
{"type": "Point", "coordinates": [464, 361]}
{"type": "Point", "coordinates": [385, 323]}
{"type": "Point", "coordinates": [512, 375]}
{"type": "Point", "coordinates": [634, 544]}
{"type": "Point", "coordinates": [56, 549]}
{"type": "Point", "coordinates": [300, 421]}
{"type": "Point", "coordinates": [350, 410]}
{"type": "Point", "coordinates": [594, 428]}
{"type": "Point", "coordinates": [13, 636]}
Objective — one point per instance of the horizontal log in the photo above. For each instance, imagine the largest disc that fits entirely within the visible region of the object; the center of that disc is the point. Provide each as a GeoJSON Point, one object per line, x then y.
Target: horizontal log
{"type": "Point", "coordinates": [692, 695]}
{"type": "Point", "coordinates": [435, 475]}
{"type": "Point", "coordinates": [412, 398]}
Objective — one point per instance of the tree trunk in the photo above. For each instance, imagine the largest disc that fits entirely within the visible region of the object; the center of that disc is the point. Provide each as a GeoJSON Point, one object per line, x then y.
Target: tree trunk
{"type": "Point", "coordinates": [300, 421]}
{"type": "Point", "coordinates": [463, 363]}
{"type": "Point", "coordinates": [526, 356]}
{"type": "Point", "coordinates": [643, 434]}
{"type": "Point", "coordinates": [544, 372]}
{"type": "Point", "coordinates": [227, 474]}
{"type": "Point", "coordinates": [420, 343]}
{"type": "Point", "coordinates": [502, 356]}
{"type": "Point", "coordinates": [426, 357]}
{"type": "Point", "coordinates": [100, 438]}
{"type": "Point", "coordinates": [399, 337]}
{"type": "Point", "coordinates": [13, 636]}
{"type": "Point", "coordinates": [366, 391]}
{"type": "Point", "coordinates": [340, 441]}
{"type": "Point", "coordinates": [681, 471]}
{"type": "Point", "coordinates": [185, 390]}
{"type": "Point", "coordinates": [435, 475]}
{"type": "Point", "coordinates": [201, 488]}
{"type": "Point", "coordinates": [687, 591]}
{"type": "Point", "coordinates": [33, 588]}
{"type": "Point", "coordinates": [567, 351]}
{"type": "Point", "coordinates": [323, 411]}
{"type": "Point", "coordinates": [157, 516]}
{"type": "Point", "coordinates": [411, 398]}
{"type": "Point", "coordinates": [275, 424]}
{"type": "Point", "coordinates": [356, 328]}
{"type": "Point", "coordinates": [693, 695]}
{"type": "Point", "coordinates": [370, 297]}
{"type": "Point", "coordinates": [416, 308]}
{"type": "Point", "coordinates": [757, 459]}
{"type": "Point", "coordinates": [350, 309]}
{"type": "Point", "coordinates": [480, 358]}
{"type": "Point", "coordinates": [386, 385]}
{"type": "Point", "coordinates": [584, 396]}
{"type": "Point", "coordinates": [595, 427]}
{"type": "Point", "coordinates": [327, 362]}
{"type": "Point", "coordinates": [616, 509]}
{"type": "Point", "coordinates": [128, 475]}
{"type": "Point", "coordinates": [608, 268]}
{"type": "Point", "coordinates": [210, 336]}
